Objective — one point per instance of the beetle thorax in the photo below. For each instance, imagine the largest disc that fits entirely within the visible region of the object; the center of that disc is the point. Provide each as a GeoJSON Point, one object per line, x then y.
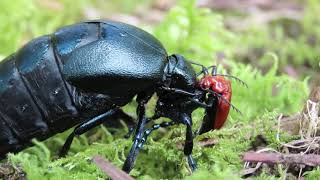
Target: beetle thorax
{"type": "Point", "coordinates": [179, 73]}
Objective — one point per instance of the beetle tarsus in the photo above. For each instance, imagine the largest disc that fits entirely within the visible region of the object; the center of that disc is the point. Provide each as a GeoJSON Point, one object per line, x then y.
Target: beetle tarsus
{"type": "Point", "coordinates": [132, 156]}
{"type": "Point", "coordinates": [188, 147]}
{"type": "Point", "coordinates": [192, 163]}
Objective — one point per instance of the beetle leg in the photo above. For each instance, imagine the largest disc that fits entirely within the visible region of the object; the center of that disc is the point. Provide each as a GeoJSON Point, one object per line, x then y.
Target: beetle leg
{"type": "Point", "coordinates": [189, 142]}
{"type": "Point", "coordinates": [82, 128]}
{"type": "Point", "coordinates": [142, 100]}
{"type": "Point", "coordinates": [208, 119]}
{"type": "Point", "coordinates": [155, 127]}
{"type": "Point", "coordinates": [178, 91]}
{"type": "Point", "coordinates": [203, 105]}
{"type": "Point", "coordinates": [138, 144]}
{"type": "Point", "coordinates": [134, 151]}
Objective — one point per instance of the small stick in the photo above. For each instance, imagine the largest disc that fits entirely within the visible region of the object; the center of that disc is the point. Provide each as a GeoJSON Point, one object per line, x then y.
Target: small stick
{"type": "Point", "coordinates": [112, 171]}
{"type": "Point", "coordinates": [278, 158]}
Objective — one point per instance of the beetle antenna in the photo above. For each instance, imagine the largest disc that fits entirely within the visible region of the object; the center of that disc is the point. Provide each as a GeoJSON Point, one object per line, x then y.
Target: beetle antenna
{"type": "Point", "coordinates": [214, 70]}
{"type": "Point", "coordinates": [204, 69]}
{"type": "Point", "coordinates": [225, 100]}
{"type": "Point", "coordinates": [235, 78]}
{"type": "Point", "coordinates": [214, 73]}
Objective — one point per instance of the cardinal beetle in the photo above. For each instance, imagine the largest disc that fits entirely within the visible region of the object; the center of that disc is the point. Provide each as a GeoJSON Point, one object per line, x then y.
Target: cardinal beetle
{"type": "Point", "coordinates": [83, 74]}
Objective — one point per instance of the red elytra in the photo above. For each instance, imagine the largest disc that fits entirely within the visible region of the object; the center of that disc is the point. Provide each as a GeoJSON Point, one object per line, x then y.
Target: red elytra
{"type": "Point", "coordinates": [221, 86]}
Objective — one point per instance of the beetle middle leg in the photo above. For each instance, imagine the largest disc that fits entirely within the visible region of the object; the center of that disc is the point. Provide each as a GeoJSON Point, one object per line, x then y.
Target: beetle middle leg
{"type": "Point", "coordinates": [86, 126]}
{"type": "Point", "coordinates": [138, 144]}
{"type": "Point", "coordinates": [142, 100]}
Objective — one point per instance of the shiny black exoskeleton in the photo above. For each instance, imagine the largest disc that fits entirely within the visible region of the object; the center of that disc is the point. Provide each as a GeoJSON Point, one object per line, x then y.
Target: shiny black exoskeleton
{"type": "Point", "coordinates": [82, 75]}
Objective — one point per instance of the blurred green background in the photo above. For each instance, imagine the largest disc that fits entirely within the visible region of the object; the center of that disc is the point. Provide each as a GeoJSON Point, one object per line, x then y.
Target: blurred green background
{"type": "Point", "coordinates": [271, 45]}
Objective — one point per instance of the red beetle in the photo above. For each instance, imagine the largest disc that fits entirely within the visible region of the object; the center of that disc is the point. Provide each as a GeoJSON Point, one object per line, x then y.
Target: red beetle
{"type": "Point", "coordinates": [221, 91]}
{"type": "Point", "coordinates": [221, 86]}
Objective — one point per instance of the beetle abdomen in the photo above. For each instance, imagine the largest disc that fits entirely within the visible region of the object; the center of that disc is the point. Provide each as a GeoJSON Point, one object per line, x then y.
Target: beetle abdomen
{"type": "Point", "coordinates": [39, 69]}
{"type": "Point", "coordinates": [20, 118]}
{"type": "Point", "coordinates": [35, 100]}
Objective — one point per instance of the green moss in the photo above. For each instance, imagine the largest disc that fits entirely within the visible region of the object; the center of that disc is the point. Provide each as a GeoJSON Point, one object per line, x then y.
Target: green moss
{"type": "Point", "coordinates": [196, 33]}
{"type": "Point", "coordinates": [313, 175]}
{"type": "Point", "coordinates": [295, 42]}
{"type": "Point", "coordinates": [24, 19]}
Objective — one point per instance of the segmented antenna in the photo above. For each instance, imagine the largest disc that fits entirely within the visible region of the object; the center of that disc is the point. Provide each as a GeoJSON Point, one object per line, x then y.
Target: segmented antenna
{"type": "Point", "coordinates": [204, 69]}
{"type": "Point", "coordinates": [233, 77]}
{"type": "Point", "coordinates": [214, 73]}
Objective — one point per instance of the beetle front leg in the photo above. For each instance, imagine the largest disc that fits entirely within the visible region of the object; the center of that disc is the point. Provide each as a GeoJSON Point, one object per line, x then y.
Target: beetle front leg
{"type": "Point", "coordinates": [188, 147]}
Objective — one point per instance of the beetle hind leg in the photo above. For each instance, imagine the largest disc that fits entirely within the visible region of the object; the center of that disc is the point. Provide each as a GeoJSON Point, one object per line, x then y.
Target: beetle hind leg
{"type": "Point", "coordinates": [86, 126]}
{"type": "Point", "coordinates": [142, 100]}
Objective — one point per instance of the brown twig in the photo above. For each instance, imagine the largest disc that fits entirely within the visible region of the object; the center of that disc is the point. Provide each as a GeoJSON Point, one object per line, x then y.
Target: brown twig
{"type": "Point", "coordinates": [278, 158]}
{"type": "Point", "coordinates": [112, 171]}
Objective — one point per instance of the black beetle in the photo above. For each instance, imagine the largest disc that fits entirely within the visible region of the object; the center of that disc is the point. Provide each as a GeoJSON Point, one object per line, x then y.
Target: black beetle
{"type": "Point", "coordinates": [83, 74]}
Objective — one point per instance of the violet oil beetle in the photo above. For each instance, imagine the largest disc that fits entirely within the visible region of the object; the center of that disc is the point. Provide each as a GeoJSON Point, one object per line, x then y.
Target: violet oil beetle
{"type": "Point", "coordinates": [83, 74]}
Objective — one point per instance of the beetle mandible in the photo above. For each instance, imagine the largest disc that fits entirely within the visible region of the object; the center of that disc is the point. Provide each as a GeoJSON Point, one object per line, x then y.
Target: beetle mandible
{"type": "Point", "coordinates": [83, 74]}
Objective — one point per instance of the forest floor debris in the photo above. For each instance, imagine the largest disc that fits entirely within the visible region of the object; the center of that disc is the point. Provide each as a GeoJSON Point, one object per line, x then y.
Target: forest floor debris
{"type": "Point", "coordinates": [112, 171]}
{"type": "Point", "coordinates": [279, 158]}
{"type": "Point", "coordinates": [302, 154]}
{"type": "Point", "coordinates": [11, 172]}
